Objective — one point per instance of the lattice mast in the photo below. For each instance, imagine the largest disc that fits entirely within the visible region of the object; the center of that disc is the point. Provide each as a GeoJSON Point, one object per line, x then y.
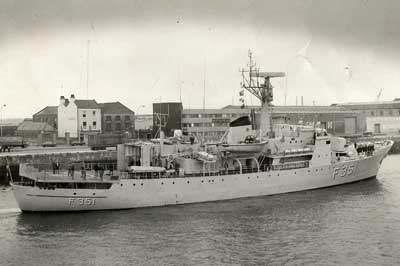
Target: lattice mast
{"type": "Point", "coordinates": [259, 84]}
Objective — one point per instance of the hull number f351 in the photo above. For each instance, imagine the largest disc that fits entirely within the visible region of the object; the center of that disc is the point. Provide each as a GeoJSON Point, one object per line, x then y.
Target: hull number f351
{"type": "Point", "coordinates": [343, 171]}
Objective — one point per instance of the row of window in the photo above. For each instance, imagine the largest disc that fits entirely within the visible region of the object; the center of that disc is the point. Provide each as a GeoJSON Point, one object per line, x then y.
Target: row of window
{"type": "Point", "coordinates": [212, 115]}
{"type": "Point", "coordinates": [84, 113]}
{"type": "Point", "coordinates": [219, 124]}
{"type": "Point", "coordinates": [389, 112]}
{"type": "Point", "coordinates": [84, 125]}
{"type": "Point", "coordinates": [118, 126]}
{"type": "Point", "coordinates": [117, 118]}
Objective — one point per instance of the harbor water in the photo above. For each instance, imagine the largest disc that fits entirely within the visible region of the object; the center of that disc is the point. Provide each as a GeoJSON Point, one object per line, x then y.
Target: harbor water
{"type": "Point", "coordinates": [354, 224]}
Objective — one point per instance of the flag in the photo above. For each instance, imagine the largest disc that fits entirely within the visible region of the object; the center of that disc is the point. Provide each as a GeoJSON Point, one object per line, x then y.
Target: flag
{"type": "Point", "coordinates": [241, 93]}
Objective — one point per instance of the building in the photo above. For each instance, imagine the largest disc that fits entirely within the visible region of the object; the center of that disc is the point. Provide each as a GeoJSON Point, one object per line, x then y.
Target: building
{"type": "Point", "coordinates": [381, 117]}
{"type": "Point", "coordinates": [116, 118]}
{"type": "Point", "coordinates": [36, 132]}
{"type": "Point", "coordinates": [211, 124]}
{"type": "Point", "coordinates": [47, 115]}
{"type": "Point", "coordinates": [168, 115]}
{"type": "Point", "coordinates": [77, 118]}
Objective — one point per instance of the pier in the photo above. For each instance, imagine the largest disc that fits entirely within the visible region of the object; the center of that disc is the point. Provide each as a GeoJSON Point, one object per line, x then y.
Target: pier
{"type": "Point", "coordinates": [46, 156]}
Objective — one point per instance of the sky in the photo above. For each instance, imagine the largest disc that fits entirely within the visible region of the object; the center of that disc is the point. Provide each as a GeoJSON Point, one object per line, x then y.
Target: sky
{"type": "Point", "coordinates": [140, 52]}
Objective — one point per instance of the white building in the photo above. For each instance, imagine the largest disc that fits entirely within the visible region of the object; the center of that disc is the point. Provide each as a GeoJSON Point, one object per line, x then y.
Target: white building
{"type": "Point", "coordinates": [382, 117]}
{"type": "Point", "coordinates": [77, 118]}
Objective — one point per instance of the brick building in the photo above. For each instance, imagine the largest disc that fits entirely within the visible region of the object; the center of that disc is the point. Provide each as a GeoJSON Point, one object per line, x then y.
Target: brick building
{"type": "Point", "coordinates": [117, 118]}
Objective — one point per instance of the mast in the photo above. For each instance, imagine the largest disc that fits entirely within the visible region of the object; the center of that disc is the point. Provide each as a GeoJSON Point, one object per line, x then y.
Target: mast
{"type": "Point", "coordinates": [263, 90]}
{"type": "Point", "coordinates": [204, 96]}
{"type": "Point", "coordinates": [87, 68]}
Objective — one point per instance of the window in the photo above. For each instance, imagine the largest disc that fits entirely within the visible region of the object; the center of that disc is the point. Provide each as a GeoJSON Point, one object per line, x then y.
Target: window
{"type": "Point", "coordinates": [84, 114]}
{"type": "Point", "coordinates": [108, 127]}
{"type": "Point", "coordinates": [381, 112]}
{"type": "Point", "coordinates": [117, 118]}
{"type": "Point", "coordinates": [127, 126]}
{"type": "Point", "coordinates": [127, 118]}
{"type": "Point", "coordinates": [94, 112]}
{"type": "Point", "coordinates": [94, 123]}
{"type": "Point", "coordinates": [390, 112]}
{"type": "Point", "coordinates": [84, 125]}
{"type": "Point", "coordinates": [108, 118]}
{"type": "Point", "coordinates": [372, 113]}
{"type": "Point", "coordinates": [118, 126]}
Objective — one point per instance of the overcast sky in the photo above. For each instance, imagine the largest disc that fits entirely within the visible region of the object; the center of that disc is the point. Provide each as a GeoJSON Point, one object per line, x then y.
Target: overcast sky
{"type": "Point", "coordinates": [332, 51]}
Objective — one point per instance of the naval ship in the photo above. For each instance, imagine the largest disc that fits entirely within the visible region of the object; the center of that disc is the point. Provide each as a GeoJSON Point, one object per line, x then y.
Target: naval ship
{"type": "Point", "coordinates": [256, 157]}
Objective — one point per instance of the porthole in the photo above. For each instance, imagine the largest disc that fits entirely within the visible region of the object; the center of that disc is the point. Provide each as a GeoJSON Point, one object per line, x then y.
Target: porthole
{"type": "Point", "coordinates": [277, 174]}
{"type": "Point", "coordinates": [316, 170]}
{"type": "Point", "coordinates": [141, 184]}
{"type": "Point", "coordinates": [173, 183]}
{"type": "Point", "coordinates": [122, 185]}
{"type": "Point", "coordinates": [202, 181]}
{"type": "Point", "coordinates": [94, 194]}
{"type": "Point", "coordinates": [294, 172]}
{"type": "Point", "coordinates": [248, 177]}
{"type": "Point", "coordinates": [162, 183]}
{"type": "Point", "coordinates": [222, 180]}
{"type": "Point", "coordinates": [209, 180]}
{"type": "Point", "coordinates": [74, 193]}
{"type": "Point", "coordinates": [257, 176]}
{"type": "Point", "coordinates": [134, 184]}
{"type": "Point", "coordinates": [188, 182]}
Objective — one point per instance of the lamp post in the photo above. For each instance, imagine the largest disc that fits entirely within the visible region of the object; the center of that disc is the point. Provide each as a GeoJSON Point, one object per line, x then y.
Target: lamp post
{"type": "Point", "coordinates": [137, 110]}
{"type": "Point", "coordinates": [1, 119]}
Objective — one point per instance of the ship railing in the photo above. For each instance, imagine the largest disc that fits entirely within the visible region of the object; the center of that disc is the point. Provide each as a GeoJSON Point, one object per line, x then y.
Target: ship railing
{"type": "Point", "coordinates": [62, 174]}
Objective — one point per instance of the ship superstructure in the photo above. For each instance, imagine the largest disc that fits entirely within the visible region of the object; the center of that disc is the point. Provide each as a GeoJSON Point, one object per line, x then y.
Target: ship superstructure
{"type": "Point", "coordinates": [255, 158]}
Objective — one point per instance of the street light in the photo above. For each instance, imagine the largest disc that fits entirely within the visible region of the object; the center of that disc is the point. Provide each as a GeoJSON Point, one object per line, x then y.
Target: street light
{"type": "Point", "coordinates": [1, 119]}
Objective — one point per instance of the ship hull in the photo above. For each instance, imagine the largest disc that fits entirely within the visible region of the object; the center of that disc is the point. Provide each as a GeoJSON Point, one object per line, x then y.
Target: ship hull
{"type": "Point", "coordinates": [137, 193]}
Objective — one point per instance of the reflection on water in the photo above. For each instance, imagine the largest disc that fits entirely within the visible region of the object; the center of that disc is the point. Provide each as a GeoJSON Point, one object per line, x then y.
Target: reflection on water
{"type": "Point", "coordinates": [355, 224]}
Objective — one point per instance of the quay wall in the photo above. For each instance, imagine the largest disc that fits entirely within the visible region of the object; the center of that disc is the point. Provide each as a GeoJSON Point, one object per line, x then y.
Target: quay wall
{"type": "Point", "coordinates": [45, 160]}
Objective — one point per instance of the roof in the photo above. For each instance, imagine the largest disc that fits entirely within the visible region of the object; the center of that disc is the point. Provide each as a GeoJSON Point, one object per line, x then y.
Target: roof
{"type": "Point", "coordinates": [373, 105]}
{"type": "Point", "coordinates": [34, 126]}
{"type": "Point", "coordinates": [48, 110]}
{"type": "Point", "coordinates": [115, 108]}
{"type": "Point", "coordinates": [87, 104]}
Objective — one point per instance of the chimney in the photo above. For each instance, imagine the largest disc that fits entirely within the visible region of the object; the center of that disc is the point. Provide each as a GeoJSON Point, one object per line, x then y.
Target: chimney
{"type": "Point", "coordinates": [72, 98]}
{"type": "Point", "coordinates": [62, 100]}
